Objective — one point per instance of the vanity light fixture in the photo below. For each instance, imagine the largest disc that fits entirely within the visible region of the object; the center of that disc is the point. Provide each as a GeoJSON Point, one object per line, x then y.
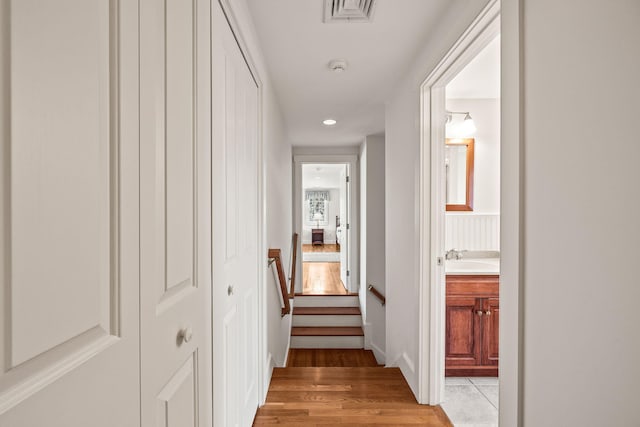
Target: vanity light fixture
{"type": "Point", "coordinates": [467, 127]}
{"type": "Point", "coordinates": [329, 122]}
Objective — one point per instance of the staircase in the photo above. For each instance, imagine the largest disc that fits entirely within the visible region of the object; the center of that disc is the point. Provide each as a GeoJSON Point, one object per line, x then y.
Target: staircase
{"type": "Point", "coordinates": [327, 321]}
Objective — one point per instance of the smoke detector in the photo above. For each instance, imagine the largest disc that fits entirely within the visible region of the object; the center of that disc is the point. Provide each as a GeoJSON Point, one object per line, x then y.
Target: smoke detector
{"type": "Point", "coordinates": [338, 65]}
{"type": "Point", "coordinates": [347, 11]}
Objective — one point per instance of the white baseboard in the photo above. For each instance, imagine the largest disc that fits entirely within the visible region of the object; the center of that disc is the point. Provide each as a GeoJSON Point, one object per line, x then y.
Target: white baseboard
{"type": "Point", "coordinates": [379, 354]}
{"type": "Point", "coordinates": [366, 327]}
{"type": "Point", "coordinates": [404, 363]}
{"type": "Point", "coordinates": [269, 365]}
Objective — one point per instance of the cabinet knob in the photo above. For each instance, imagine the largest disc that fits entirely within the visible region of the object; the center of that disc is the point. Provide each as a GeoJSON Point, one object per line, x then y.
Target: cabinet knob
{"type": "Point", "coordinates": [487, 313]}
{"type": "Point", "coordinates": [230, 290]}
{"type": "Point", "coordinates": [185, 334]}
{"type": "Point", "coordinates": [479, 312]}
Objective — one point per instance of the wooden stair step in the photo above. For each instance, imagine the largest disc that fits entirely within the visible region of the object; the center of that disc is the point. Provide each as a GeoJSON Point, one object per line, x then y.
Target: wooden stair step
{"type": "Point", "coordinates": [311, 331]}
{"type": "Point", "coordinates": [348, 294]}
{"type": "Point", "coordinates": [327, 311]}
{"type": "Point", "coordinates": [316, 357]}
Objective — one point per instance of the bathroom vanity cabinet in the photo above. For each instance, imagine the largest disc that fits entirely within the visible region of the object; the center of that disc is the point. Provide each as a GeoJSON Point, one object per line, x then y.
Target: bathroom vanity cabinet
{"type": "Point", "coordinates": [472, 318]}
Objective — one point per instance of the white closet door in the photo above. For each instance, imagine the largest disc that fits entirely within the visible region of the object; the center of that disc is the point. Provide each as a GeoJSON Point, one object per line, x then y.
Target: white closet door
{"type": "Point", "coordinates": [69, 331]}
{"type": "Point", "coordinates": [235, 230]}
{"type": "Point", "coordinates": [175, 204]}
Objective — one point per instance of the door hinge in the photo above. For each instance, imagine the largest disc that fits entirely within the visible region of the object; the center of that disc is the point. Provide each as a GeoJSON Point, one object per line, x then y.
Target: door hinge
{"type": "Point", "coordinates": [348, 273]}
{"type": "Point", "coordinates": [347, 179]}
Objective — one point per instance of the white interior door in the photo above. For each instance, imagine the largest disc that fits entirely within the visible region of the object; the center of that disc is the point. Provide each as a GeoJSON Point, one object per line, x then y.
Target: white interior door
{"type": "Point", "coordinates": [344, 226]}
{"type": "Point", "coordinates": [175, 209]}
{"type": "Point", "coordinates": [69, 328]}
{"type": "Point", "coordinates": [235, 230]}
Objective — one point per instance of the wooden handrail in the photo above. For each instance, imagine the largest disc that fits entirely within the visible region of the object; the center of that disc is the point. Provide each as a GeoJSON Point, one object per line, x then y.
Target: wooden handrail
{"type": "Point", "coordinates": [377, 294]}
{"type": "Point", "coordinates": [275, 255]}
{"type": "Point", "coordinates": [294, 260]}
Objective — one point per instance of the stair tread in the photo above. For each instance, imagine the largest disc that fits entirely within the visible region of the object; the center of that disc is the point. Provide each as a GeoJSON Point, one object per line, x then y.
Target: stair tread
{"type": "Point", "coordinates": [326, 331]}
{"type": "Point", "coordinates": [350, 294]}
{"type": "Point", "coordinates": [327, 311]}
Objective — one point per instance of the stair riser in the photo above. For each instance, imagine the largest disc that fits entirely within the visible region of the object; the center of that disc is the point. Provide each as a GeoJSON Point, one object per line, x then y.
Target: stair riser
{"type": "Point", "coordinates": [327, 342]}
{"type": "Point", "coordinates": [327, 301]}
{"type": "Point", "coordinates": [327, 320]}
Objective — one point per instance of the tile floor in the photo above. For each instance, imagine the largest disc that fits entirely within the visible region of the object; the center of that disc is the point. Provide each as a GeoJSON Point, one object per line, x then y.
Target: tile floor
{"type": "Point", "coordinates": [471, 402]}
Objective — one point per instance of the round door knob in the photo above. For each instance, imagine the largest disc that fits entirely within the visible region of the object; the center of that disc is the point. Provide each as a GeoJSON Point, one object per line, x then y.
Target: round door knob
{"type": "Point", "coordinates": [185, 334]}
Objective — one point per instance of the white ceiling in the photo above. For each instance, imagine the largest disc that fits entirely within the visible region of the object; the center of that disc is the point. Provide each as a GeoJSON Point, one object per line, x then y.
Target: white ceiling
{"type": "Point", "coordinates": [480, 79]}
{"type": "Point", "coordinates": [321, 175]}
{"type": "Point", "coordinates": [298, 46]}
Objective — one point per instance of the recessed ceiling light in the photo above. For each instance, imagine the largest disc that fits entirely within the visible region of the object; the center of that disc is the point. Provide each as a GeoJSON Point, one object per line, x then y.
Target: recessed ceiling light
{"type": "Point", "coordinates": [329, 122]}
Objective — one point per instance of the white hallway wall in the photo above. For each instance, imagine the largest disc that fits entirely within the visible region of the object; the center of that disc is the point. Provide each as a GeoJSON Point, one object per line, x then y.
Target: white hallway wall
{"type": "Point", "coordinates": [277, 191]}
{"type": "Point", "coordinates": [579, 311]}
{"type": "Point", "coordinates": [581, 286]}
{"type": "Point", "coordinates": [402, 169]}
{"type": "Point", "coordinates": [372, 242]}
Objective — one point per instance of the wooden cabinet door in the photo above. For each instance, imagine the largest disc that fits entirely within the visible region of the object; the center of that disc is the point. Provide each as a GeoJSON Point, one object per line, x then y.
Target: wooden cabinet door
{"type": "Point", "coordinates": [490, 331]}
{"type": "Point", "coordinates": [463, 331]}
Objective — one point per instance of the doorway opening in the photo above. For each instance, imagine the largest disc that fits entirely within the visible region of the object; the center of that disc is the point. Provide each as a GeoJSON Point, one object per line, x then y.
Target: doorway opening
{"type": "Point", "coordinates": [472, 239]}
{"type": "Point", "coordinates": [324, 220]}
{"type": "Point", "coordinates": [460, 225]}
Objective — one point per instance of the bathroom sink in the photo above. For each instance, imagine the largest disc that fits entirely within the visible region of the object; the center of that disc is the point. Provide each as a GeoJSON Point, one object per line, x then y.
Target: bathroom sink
{"type": "Point", "coordinates": [472, 266]}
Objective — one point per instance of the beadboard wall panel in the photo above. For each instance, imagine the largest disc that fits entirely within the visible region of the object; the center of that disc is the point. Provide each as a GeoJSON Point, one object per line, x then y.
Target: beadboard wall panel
{"type": "Point", "coordinates": [476, 232]}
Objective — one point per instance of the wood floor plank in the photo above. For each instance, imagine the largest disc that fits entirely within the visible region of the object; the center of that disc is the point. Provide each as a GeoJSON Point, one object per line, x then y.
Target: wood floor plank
{"type": "Point", "coordinates": [346, 396]}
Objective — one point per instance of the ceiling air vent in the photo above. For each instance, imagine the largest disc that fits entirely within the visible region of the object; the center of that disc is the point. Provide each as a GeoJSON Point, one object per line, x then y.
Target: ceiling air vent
{"type": "Point", "coordinates": [348, 10]}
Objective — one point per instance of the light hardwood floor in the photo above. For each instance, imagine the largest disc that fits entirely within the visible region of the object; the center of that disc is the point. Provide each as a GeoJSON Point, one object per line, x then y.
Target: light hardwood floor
{"type": "Point", "coordinates": [322, 278]}
{"type": "Point", "coordinates": [359, 396]}
{"type": "Point", "coordinates": [320, 248]}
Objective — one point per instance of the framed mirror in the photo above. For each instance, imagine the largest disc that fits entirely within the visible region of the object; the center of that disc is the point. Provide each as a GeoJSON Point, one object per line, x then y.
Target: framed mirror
{"type": "Point", "coordinates": [459, 174]}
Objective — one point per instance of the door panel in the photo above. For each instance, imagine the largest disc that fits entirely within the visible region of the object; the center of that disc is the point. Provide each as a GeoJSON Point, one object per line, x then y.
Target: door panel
{"type": "Point", "coordinates": [69, 225]}
{"type": "Point", "coordinates": [490, 341]}
{"type": "Point", "coordinates": [175, 212]}
{"type": "Point", "coordinates": [235, 232]}
{"type": "Point", "coordinates": [344, 232]}
{"type": "Point", "coordinates": [177, 399]}
{"type": "Point", "coordinates": [462, 331]}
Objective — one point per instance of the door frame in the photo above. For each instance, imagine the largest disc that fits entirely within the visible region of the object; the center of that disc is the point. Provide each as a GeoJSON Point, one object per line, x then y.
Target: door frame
{"type": "Point", "coordinates": [262, 362]}
{"type": "Point", "coordinates": [432, 200]}
{"type": "Point", "coordinates": [352, 161]}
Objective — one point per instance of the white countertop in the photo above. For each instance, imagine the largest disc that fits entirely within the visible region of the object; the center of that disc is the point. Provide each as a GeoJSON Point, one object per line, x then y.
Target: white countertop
{"type": "Point", "coordinates": [472, 266]}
